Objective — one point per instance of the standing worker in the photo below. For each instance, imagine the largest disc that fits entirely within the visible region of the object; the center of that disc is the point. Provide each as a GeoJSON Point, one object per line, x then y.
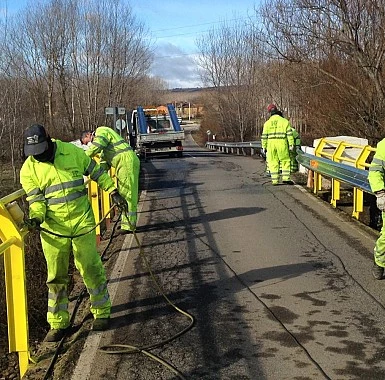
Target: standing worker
{"type": "Point", "coordinates": [293, 152]}
{"type": "Point", "coordinates": [277, 141]}
{"type": "Point", "coordinates": [376, 179]}
{"type": "Point", "coordinates": [52, 177]}
{"type": "Point", "coordinates": [117, 153]}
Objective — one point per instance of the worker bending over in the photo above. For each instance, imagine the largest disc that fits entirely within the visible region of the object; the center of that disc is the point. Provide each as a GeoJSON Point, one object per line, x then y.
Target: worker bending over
{"type": "Point", "coordinates": [52, 177]}
{"type": "Point", "coordinates": [117, 153]}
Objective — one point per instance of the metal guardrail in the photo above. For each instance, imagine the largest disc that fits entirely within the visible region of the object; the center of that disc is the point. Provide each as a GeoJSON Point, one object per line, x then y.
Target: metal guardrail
{"type": "Point", "coordinates": [341, 172]}
{"type": "Point", "coordinates": [12, 248]}
{"type": "Point", "coordinates": [331, 160]}
{"type": "Point", "coordinates": [231, 147]}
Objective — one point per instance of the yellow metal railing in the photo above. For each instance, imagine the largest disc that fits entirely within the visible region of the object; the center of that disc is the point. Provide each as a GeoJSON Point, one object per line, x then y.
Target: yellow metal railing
{"type": "Point", "coordinates": [12, 235]}
{"type": "Point", "coordinates": [12, 248]}
{"type": "Point", "coordinates": [338, 151]}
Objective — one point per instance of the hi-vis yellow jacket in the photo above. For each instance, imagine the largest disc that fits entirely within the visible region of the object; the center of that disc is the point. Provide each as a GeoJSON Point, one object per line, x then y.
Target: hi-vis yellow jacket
{"type": "Point", "coordinates": [56, 192]}
{"type": "Point", "coordinates": [277, 132]}
{"type": "Point", "coordinates": [109, 144]}
{"type": "Point", "coordinates": [377, 168]}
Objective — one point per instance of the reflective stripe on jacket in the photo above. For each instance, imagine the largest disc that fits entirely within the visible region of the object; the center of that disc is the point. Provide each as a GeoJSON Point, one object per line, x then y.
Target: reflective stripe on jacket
{"type": "Point", "coordinates": [275, 129]}
{"type": "Point", "coordinates": [57, 191]}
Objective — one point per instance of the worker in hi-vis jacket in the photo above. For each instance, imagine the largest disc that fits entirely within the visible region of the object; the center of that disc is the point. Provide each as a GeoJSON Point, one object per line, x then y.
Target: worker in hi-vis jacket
{"type": "Point", "coordinates": [277, 140]}
{"type": "Point", "coordinates": [117, 153]}
{"type": "Point", "coordinates": [293, 152]}
{"type": "Point", "coordinates": [52, 177]}
{"type": "Point", "coordinates": [376, 179]}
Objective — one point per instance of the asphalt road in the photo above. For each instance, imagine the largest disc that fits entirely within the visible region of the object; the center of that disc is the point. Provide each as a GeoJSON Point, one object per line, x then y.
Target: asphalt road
{"type": "Point", "coordinates": [278, 282]}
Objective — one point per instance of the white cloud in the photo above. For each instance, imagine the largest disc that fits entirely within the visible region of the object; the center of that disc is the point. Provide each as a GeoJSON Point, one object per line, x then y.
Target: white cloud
{"type": "Point", "coordinates": [176, 67]}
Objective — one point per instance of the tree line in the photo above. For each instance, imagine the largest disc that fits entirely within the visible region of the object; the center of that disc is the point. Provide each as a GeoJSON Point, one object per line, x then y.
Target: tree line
{"type": "Point", "coordinates": [320, 61]}
{"type": "Point", "coordinates": [63, 61]}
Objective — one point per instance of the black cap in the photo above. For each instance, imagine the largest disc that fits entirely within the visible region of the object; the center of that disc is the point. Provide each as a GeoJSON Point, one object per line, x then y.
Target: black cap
{"type": "Point", "coordinates": [35, 140]}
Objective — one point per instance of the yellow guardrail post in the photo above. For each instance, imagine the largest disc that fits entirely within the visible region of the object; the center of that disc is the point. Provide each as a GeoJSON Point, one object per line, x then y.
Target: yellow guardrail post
{"type": "Point", "coordinates": [113, 176]}
{"type": "Point", "coordinates": [358, 194]}
{"type": "Point", "coordinates": [336, 185]}
{"type": "Point", "coordinates": [105, 206]}
{"type": "Point", "coordinates": [317, 176]}
{"type": "Point", "coordinates": [95, 196]}
{"type": "Point", "coordinates": [12, 248]}
{"type": "Point", "coordinates": [337, 156]}
{"type": "Point", "coordinates": [93, 193]}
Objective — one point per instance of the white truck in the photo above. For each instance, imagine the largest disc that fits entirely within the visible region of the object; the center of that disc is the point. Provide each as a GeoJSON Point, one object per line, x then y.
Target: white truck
{"type": "Point", "coordinates": [157, 131]}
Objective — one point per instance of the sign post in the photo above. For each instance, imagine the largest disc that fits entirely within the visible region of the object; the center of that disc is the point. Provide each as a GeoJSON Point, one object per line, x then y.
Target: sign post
{"type": "Point", "coordinates": [208, 135]}
{"type": "Point", "coordinates": [114, 111]}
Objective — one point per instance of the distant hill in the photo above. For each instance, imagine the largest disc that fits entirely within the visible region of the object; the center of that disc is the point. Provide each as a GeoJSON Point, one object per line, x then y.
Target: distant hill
{"type": "Point", "coordinates": [192, 95]}
{"type": "Point", "coordinates": [191, 89]}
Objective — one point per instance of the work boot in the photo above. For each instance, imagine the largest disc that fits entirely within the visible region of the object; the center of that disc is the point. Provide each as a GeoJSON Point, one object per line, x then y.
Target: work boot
{"type": "Point", "coordinates": [377, 271]}
{"type": "Point", "coordinates": [288, 182]}
{"type": "Point", "coordinates": [55, 335]}
{"type": "Point", "coordinates": [101, 324]}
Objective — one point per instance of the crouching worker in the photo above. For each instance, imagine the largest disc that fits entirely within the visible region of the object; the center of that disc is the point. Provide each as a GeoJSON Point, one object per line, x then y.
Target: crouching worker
{"type": "Point", "coordinates": [52, 177]}
{"type": "Point", "coordinates": [117, 153]}
{"type": "Point", "coordinates": [376, 179]}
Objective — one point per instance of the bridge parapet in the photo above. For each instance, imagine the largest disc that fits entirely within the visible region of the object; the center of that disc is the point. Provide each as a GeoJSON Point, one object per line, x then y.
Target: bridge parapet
{"type": "Point", "coordinates": [341, 161]}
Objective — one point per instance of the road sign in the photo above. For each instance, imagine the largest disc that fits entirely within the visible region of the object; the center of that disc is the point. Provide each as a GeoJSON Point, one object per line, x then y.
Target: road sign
{"type": "Point", "coordinates": [120, 124]}
{"type": "Point", "coordinates": [121, 111]}
{"type": "Point", "coordinates": [109, 110]}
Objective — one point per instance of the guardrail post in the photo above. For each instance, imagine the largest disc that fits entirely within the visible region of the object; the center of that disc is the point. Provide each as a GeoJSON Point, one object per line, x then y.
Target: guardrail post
{"type": "Point", "coordinates": [93, 192]}
{"type": "Point", "coordinates": [15, 284]}
{"type": "Point", "coordinates": [105, 200]}
{"type": "Point", "coordinates": [317, 176]}
{"type": "Point", "coordinates": [336, 185]}
{"type": "Point", "coordinates": [358, 194]}
{"type": "Point", "coordinates": [317, 182]}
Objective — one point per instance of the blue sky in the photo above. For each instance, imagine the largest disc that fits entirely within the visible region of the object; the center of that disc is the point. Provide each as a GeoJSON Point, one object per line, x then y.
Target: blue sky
{"type": "Point", "coordinates": [174, 27]}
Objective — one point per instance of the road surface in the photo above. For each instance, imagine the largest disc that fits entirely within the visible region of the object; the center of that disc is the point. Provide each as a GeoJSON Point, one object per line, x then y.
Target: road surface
{"type": "Point", "coordinates": [278, 282]}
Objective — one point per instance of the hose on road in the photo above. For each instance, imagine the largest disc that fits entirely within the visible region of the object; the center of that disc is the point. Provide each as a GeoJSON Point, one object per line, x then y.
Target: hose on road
{"type": "Point", "coordinates": [114, 349]}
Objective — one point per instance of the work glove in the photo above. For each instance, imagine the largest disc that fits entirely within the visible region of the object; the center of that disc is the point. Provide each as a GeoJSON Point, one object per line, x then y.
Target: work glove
{"type": "Point", "coordinates": [118, 200]}
{"type": "Point", "coordinates": [292, 148]}
{"type": "Point", "coordinates": [380, 195]}
{"type": "Point", "coordinates": [32, 224]}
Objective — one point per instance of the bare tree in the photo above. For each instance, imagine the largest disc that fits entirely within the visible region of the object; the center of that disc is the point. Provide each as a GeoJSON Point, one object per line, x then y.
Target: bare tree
{"type": "Point", "coordinates": [344, 41]}
{"type": "Point", "coordinates": [229, 60]}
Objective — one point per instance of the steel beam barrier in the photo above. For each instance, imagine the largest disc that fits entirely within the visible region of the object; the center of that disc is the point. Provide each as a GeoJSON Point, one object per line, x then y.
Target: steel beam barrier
{"type": "Point", "coordinates": [331, 160]}
{"type": "Point", "coordinates": [341, 154]}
